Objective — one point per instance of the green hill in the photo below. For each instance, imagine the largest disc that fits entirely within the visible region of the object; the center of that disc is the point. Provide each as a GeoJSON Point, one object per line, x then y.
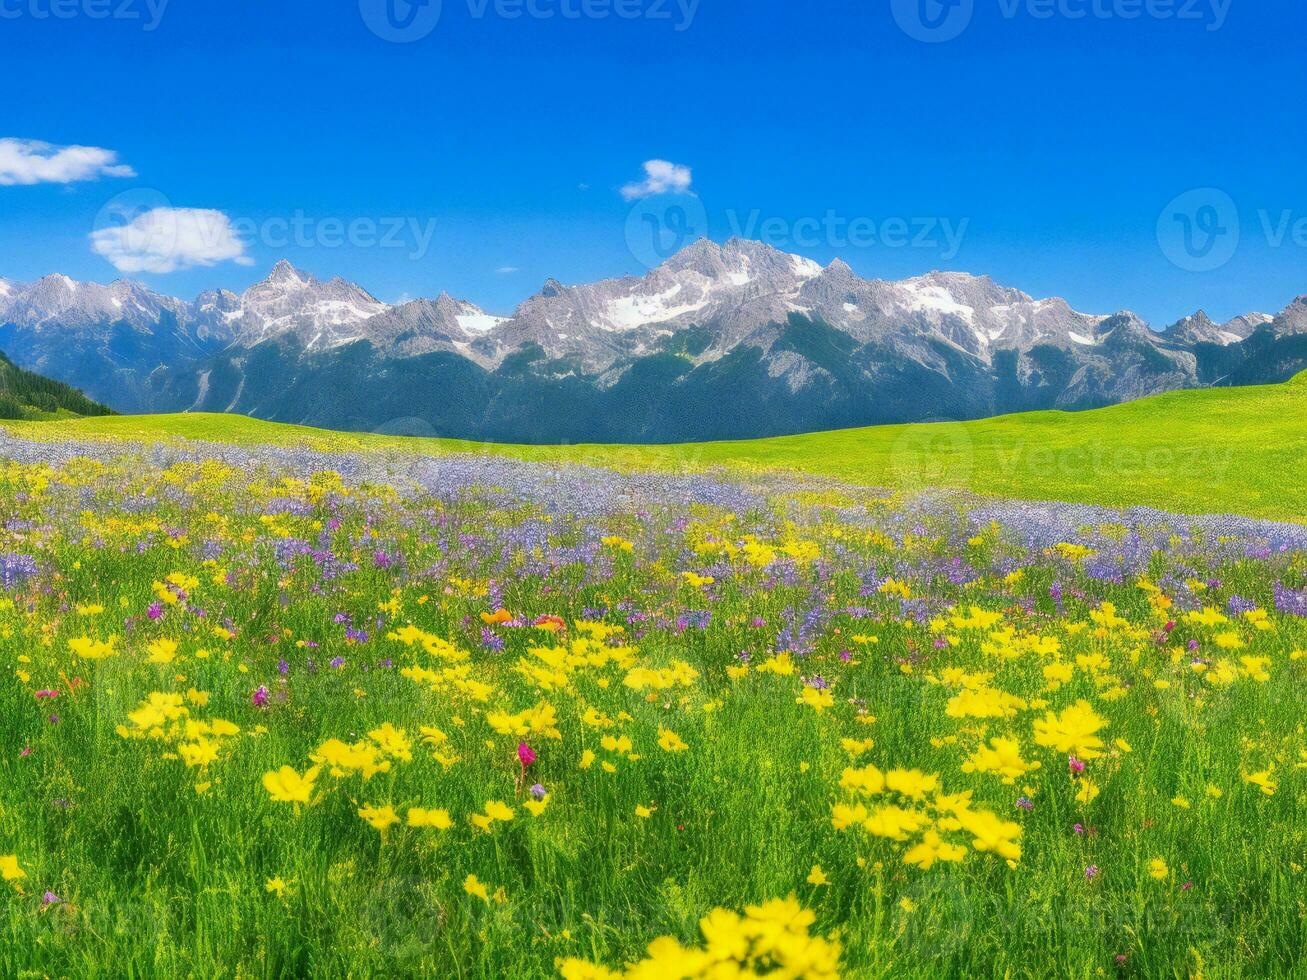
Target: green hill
{"type": "Point", "coordinates": [1236, 450]}
{"type": "Point", "coordinates": [25, 395]}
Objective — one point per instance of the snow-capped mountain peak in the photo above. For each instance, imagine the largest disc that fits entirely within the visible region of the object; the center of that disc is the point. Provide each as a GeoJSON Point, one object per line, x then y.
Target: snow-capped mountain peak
{"type": "Point", "coordinates": [738, 263]}
{"type": "Point", "coordinates": [1199, 328]}
{"type": "Point", "coordinates": [741, 291]}
{"type": "Point", "coordinates": [602, 323]}
{"type": "Point", "coordinates": [319, 314]}
{"type": "Point", "coordinates": [797, 345]}
{"type": "Point", "coordinates": [285, 272]}
{"type": "Point", "coordinates": [59, 303]}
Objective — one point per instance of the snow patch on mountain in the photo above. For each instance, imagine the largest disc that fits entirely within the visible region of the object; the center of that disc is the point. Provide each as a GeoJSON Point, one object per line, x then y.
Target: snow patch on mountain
{"type": "Point", "coordinates": [805, 268]}
{"type": "Point", "coordinates": [635, 310]}
{"type": "Point", "coordinates": [476, 322]}
{"type": "Point", "coordinates": [927, 297]}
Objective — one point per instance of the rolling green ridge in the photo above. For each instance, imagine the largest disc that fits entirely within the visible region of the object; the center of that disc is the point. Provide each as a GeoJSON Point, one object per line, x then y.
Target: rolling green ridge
{"type": "Point", "coordinates": [1236, 450]}
{"type": "Point", "coordinates": [25, 395]}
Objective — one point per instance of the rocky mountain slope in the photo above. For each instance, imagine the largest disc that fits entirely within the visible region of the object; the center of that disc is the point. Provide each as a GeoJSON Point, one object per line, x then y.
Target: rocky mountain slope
{"type": "Point", "coordinates": [720, 341]}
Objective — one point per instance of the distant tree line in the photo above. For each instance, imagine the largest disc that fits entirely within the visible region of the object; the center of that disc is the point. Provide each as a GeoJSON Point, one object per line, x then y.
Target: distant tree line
{"type": "Point", "coordinates": [23, 393]}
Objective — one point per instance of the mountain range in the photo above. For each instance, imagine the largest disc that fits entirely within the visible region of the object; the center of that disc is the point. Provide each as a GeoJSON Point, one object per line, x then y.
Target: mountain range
{"type": "Point", "coordinates": [721, 341]}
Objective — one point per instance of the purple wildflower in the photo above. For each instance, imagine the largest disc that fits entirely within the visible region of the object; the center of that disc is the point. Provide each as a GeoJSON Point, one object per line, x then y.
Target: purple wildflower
{"type": "Point", "coordinates": [16, 569]}
{"type": "Point", "coordinates": [1291, 602]}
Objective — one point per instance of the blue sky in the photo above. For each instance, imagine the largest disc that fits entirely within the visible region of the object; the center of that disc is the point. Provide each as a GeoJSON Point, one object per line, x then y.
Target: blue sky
{"type": "Point", "coordinates": [1054, 142]}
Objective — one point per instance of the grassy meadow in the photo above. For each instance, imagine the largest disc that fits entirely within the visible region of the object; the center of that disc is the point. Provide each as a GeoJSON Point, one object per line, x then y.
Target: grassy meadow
{"type": "Point", "coordinates": [1237, 450]}
{"type": "Point", "coordinates": [287, 703]}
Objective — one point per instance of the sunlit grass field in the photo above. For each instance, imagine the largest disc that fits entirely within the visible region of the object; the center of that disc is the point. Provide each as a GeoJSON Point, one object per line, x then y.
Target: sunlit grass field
{"type": "Point", "coordinates": [1237, 450]}
{"type": "Point", "coordinates": [268, 712]}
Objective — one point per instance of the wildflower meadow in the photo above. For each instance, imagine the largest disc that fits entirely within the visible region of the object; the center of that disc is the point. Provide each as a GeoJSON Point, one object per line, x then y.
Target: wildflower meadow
{"type": "Point", "coordinates": [271, 711]}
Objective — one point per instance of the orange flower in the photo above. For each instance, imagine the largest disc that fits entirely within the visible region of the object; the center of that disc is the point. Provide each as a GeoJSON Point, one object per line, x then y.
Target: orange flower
{"type": "Point", "coordinates": [496, 617]}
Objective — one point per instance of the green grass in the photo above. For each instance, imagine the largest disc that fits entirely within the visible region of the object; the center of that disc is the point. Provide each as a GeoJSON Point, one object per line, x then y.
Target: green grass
{"type": "Point", "coordinates": [160, 863]}
{"type": "Point", "coordinates": [137, 844]}
{"type": "Point", "coordinates": [1237, 450]}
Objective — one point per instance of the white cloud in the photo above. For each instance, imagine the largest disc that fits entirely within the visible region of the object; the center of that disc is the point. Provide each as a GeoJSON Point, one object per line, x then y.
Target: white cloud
{"type": "Point", "coordinates": [33, 162]}
{"type": "Point", "coordinates": [169, 239]}
{"type": "Point", "coordinates": [660, 176]}
{"type": "Point", "coordinates": [506, 270]}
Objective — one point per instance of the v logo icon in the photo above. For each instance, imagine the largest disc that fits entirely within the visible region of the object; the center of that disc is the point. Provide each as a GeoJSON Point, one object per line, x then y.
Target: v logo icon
{"type": "Point", "coordinates": [402, 13]}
